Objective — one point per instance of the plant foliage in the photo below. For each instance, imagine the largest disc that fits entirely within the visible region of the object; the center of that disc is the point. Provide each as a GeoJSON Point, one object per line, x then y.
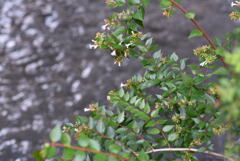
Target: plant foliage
{"type": "Point", "coordinates": [166, 113]}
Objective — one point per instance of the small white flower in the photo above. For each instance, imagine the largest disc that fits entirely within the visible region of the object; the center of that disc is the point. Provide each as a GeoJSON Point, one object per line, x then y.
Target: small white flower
{"type": "Point", "coordinates": [203, 63]}
{"type": "Point", "coordinates": [86, 109]}
{"type": "Point", "coordinates": [91, 46]}
{"type": "Point", "coordinates": [233, 4]}
{"type": "Point", "coordinates": [236, 3]}
{"type": "Point", "coordinates": [118, 63]}
{"type": "Point", "coordinates": [127, 45]}
{"type": "Point", "coordinates": [122, 85]}
{"type": "Point", "coordinates": [114, 53]}
{"type": "Point", "coordinates": [105, 27]}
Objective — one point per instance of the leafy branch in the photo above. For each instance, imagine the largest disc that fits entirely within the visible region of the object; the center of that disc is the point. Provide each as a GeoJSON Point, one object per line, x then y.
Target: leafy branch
{"type": "Point", "coordinates": [87, 150]}
{"type": "Point", "coordinates": [198, 26]}
{"type": "Point", "coordinates": [190, 150]}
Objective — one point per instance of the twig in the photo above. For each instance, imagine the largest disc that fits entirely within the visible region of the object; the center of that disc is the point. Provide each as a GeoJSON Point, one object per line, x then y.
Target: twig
{"type": "Point", "coordinates": [190, 150]}
{"type": "Point", "coordinates": [112, 139]}
{"type": "Point", "coordinates": [198, 26]}
{"type": "Point", "coordinates": [88, 150]}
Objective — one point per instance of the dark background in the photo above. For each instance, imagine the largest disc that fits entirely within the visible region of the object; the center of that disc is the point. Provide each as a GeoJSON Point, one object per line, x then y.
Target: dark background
{"type": "Point", "coordinates": [48, 74]}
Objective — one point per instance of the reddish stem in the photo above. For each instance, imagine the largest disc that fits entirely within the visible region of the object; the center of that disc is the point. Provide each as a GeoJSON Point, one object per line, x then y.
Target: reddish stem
{"type": "Point", "coordinates": [199, 27]}
{"type": "Point", "coordinates": [88, 150]}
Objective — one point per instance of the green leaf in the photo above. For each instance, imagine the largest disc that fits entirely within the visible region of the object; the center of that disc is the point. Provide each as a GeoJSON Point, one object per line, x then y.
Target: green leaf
{"type": "Point", "coordinates": [196, 120]}
{"type": "Point", "coordinates": [113, 159]}
{"type": "Point", "coordinates": [51, 151]}
{"type": "Point", "coordinates": [155, 113]}
{"type": "Point", "coordinates": [68, 154]}
{"type": "Point", "coordinates": [123, 1]}
{"type": "Point", "coordinates": [56, 133]}
{"type": "Point", "coordinates": [174, 57]}
{"type": "Point", "coordinates": [126, 97]}
{"type": "Point", "coordinates": [202, 149]}
{"type": "Point", "coordinates": [100, 157]}
{"type": "Point", "coordinates": [138, 102]}
{"type": "Point", "coordinates": [210, 99]}
{"type": "Point", "coordinates": [145, 2]}
{"type": "Point", "coordinates": [157, 54]}
{"type": "Point", "coordinates": [183, 64]}
{"type": "Point", "coordinates": [134, 2]}
{"type": "Point", "coordinates": [161, 122]}
{"type": "Point", "coordinates": [113, 148]}
{"type": "Point", "coordinates": [143, 48]}
{"type": "Point", "coordinates": [141, 115]}
{"type": "Point", "coordinates": [222, 71]}
{"type": "Point", "coordinates": [132, 25]}
{"type": "Point", "coordinates": [143, 156]}
{"type": "Point", "coordinates": [149, 42]}
{"type": "Point", "coordinates": [150, 124]}
{"type": "Point", "coordinates": [94, 145]}
{"type": "Point", "coordinates": [83, 140]}
{"type": "Point", "coordinates": [120, 30]}
{"type": "Point", "coordinates": [139, 14]}
{"type": "Point", "coordinates": [100, 126]}
{"type": "Point", "coordinates": [37, 155]}
{"type": "Point", "coordinates": [133, 99]}
{"type": "Point", "coordinates": [149, 83]}
{"type": "Point", "coordinates": [165, 3]}
{"type": "Point", "coordinates": [66, 139]}
{"type": "Point", "coordinates": [147, 108]}
{"type": "Point", "coordinates": [190, 15]}
{"type": "Point", "coordinates": [168, 128]}
{"type": "Point", "coordinates": [187, 79]}
{"type": "Point", "coordinates": [110, 132]}
{"type": "Point", "coordinates": [80, 156]}
{"type": "Point", "coordinates": [121, 117]}
{"type": "Point", "coordinates": [142, 105]}
{"type": "Point", "coordinates": [135, 127]}
{"type": "Point", "coordinates": [182, 113]}
{"type": "Point", "coordinates": [153, 131]}
{"type": "Point", "coordinates": [121, 130]}
{"type": "Point", "coordinates": [172, 137]}
{"type": "Point", "coordinates": [195, 33]}
{"type": "Point", "coordinates": [91, 123]}
{"type": "Point", "coordinates": [121, 92]}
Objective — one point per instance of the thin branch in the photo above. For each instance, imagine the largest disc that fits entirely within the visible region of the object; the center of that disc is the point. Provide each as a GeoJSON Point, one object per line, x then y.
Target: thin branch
{"type": "Point", "coordinates": [87, 150]}
{"type": "Point", "coordinates": [198, 26]}
{"type": "Point", "coordinates": [112, 139]}
{"type": "Point", "coordinates": [189, 150]}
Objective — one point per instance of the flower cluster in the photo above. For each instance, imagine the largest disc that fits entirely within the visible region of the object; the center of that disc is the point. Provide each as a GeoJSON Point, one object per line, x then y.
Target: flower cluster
{"type": "Point", "coordinates": [98, 42]}
{"type": "Point", "coordinates": [91, 108]}
{"type": "Point", "coordinates": [235, 16]}
{"type": "Point", "coordinates": [127, 85]}
{"type": "Point", "coordinates": [168, 12]}
{"type": "Point", "coordinates": [205, 52]}
{"type": "Point", "coordinates": [219, 130]}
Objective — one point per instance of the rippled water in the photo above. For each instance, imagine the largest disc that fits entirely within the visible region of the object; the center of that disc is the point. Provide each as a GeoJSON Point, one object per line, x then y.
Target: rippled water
{"type": "Point", "coordinates": [48, 73]}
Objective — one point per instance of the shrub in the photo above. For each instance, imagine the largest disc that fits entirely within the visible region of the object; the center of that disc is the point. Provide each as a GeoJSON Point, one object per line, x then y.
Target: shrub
{"type": "Point", "coordinates": [171, 110]}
